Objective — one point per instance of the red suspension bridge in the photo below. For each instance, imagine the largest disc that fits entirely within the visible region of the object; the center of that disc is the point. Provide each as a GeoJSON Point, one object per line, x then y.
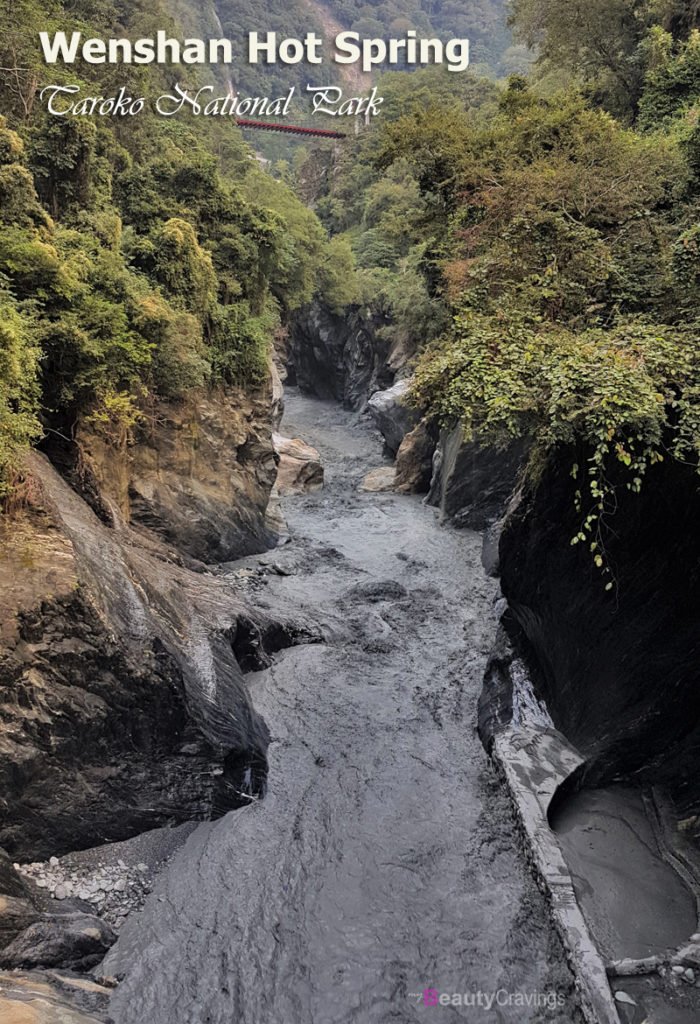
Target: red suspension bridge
{"type": "Point", "coordinates": [290, 129]}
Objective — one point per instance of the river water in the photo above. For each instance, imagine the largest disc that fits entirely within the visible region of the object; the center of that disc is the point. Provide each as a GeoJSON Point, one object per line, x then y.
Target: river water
{"type": "Point", "coordinates": [383, 860]}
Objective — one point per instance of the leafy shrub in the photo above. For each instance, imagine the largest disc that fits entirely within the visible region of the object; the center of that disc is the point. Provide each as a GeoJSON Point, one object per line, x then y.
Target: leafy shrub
{"type": "Point", "coordinates": [240, 344]}
{"type": "Point", "coordinates": [628, 395]}
{"type": "Point", "coordinates": [19, 389]}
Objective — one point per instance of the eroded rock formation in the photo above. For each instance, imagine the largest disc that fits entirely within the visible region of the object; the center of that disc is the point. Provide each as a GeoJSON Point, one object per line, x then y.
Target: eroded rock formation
{"type": "Point", "coordinates": [33, 997]}
{"type": "Point", "coordinates": [123, 704]}
{"type": "Point", "coordinates": [299, 470]}
{"type": "Point", "coordinates": [197, 474]}
{"type": "Point", "coordinates": [392, 414]}
{"type": "Point", "coordinates": [471, 483]}
{"type": "Point", "coordinates": [340, 357]}
{"type": "Point", "coordinates": [414, 459]}
{"type": "Point", "coordinates": [618, 668]}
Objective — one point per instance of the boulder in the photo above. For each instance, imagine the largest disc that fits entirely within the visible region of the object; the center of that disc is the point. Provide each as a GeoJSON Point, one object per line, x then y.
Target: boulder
{"type": "Point", "coordinates": [77, 941]}
{"type": "Point", "coordinates": [393, 417]}
{"type": "Point", "coordinates": [414, 460]}
{"type": "Point", "coordinates": [16, 915]}
{"type": "Point", "coordinates": [11, 882]}
{"type": "Point", "coordinates": [299, 470]}
{"type": "Point", "coordinates": [17, 907]}
{"type": "Point", "coordinates": [381, 479]}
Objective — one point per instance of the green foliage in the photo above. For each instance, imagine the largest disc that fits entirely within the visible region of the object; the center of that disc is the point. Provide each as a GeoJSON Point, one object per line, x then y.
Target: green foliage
{"type": "Point", "coordinates": [626, 396]}
{"type": "Point", "coordinates": [240, 344]}
{"type": "Point", "coordinates": [631, 55]}
{"type": "Point", "coordinates": [180, 359]}
{"type": "Point", "coordinates": [337, 281]}
{"type": "Point", "coordinates": [117, 416]}
{"type": "Point", "coordinates": [550, 207]}
{"type": "Point", "coordinates": [598, 40]}
{"type": "Point", "coordinates": [672, 81]}
{"type": "Point", "coordinates": [176, 260]}
{"type": "Point", "coordinates": [686, 267]}
{"type": "Point", "coordinates": [481, 21]}
{"type": "Point", "coordinates": [152, 257]}
{"type": "Point", "coordinates": [553, 257]}
{"type": "Point", "coordinates": [19, 389]}
{"type": "Point", "coordinates": [389, 194]}
{"type": "Point", "coordinates": [63, 159]}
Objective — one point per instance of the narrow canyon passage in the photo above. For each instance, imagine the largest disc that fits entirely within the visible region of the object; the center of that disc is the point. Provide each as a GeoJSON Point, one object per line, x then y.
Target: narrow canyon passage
{"type": "Point", "coordinates": [383, 859]}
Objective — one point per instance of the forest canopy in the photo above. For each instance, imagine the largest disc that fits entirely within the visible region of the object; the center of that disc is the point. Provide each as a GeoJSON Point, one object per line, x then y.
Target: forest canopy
{"type": "Point", "coordinates": [536, 244]}
{"type": "Point", "coordinates": [137, 259]}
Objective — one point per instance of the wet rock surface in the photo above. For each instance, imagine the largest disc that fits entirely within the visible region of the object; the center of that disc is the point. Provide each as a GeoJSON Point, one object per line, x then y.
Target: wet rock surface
{"type": "Point", "coordinates": [340, 357]}
{"type": "Point", "coordinates": [383, 858]}
{"type": "Point", "coordinates": [392, 415]}
{"type": "Point", "coordinates": [15, 915]}
{"type": "Point", "coordinates": [299, 469]}
{"type": "Point", "coordinates": [122, 703]}
{"type": "Point", "coordinates": [51, 997]}
{"type": "Point", "coordinates": [74, 940]}
{"type": "Point", "coordinates": [612, 671]}
{"type": "Point", "coordinates": [383, 478]}
{"type": "Point", "coordinates": [617, 669]}
{"type": "Point", "coordinates": [471, 485]}
{"type": "Point", "coordinates": [18, 908]}
{"type": "Point", "coordinates": [414, 460]}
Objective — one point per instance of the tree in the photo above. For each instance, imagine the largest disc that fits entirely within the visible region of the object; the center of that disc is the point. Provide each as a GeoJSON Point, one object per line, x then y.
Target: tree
{"type": "Point", "coordinates": [19, 389]}
{"type": "Point", "coordinates": [596, 39]}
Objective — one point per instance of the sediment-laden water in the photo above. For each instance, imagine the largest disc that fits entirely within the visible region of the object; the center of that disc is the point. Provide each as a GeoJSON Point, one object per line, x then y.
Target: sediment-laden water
{"type": "Point", "coordinates": [383, 860]}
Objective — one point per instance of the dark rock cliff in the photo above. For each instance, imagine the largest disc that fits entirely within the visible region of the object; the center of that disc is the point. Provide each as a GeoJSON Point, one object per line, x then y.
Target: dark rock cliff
{"type": "Point", "coordinates": [471, 484]}
{"type": "Point", "coordinates": [346, 358]}
{"type": "Point", "coordinates": [339, 356]}
{"type": "Point", "coordinates": [618, 670]}
{"type": "Point", "coordinates": [122, 703]}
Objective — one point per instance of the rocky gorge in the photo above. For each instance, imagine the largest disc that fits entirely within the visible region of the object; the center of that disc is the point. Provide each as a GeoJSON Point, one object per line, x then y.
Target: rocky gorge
{"type": "Point", "coordinates": [598, 686]}
{"type": "Point", "coordinates": [238, 720]}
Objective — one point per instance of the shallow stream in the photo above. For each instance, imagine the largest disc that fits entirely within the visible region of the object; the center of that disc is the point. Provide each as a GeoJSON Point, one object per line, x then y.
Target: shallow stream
{"type": "Point", "coordinates": [383, 860]}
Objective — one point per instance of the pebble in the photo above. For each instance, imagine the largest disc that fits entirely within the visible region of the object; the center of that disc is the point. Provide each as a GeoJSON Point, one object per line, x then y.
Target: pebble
{"type": "Point", "coordinates": [695, 937]}
{"type": "Point", "coordinates": [689, 975]}
{"type": "Point", "coordinates": [622, 997]}
{"type": "Point", "coordinates": [113, 890]}
{"type": "Point", "coordinates": [677, 969]}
